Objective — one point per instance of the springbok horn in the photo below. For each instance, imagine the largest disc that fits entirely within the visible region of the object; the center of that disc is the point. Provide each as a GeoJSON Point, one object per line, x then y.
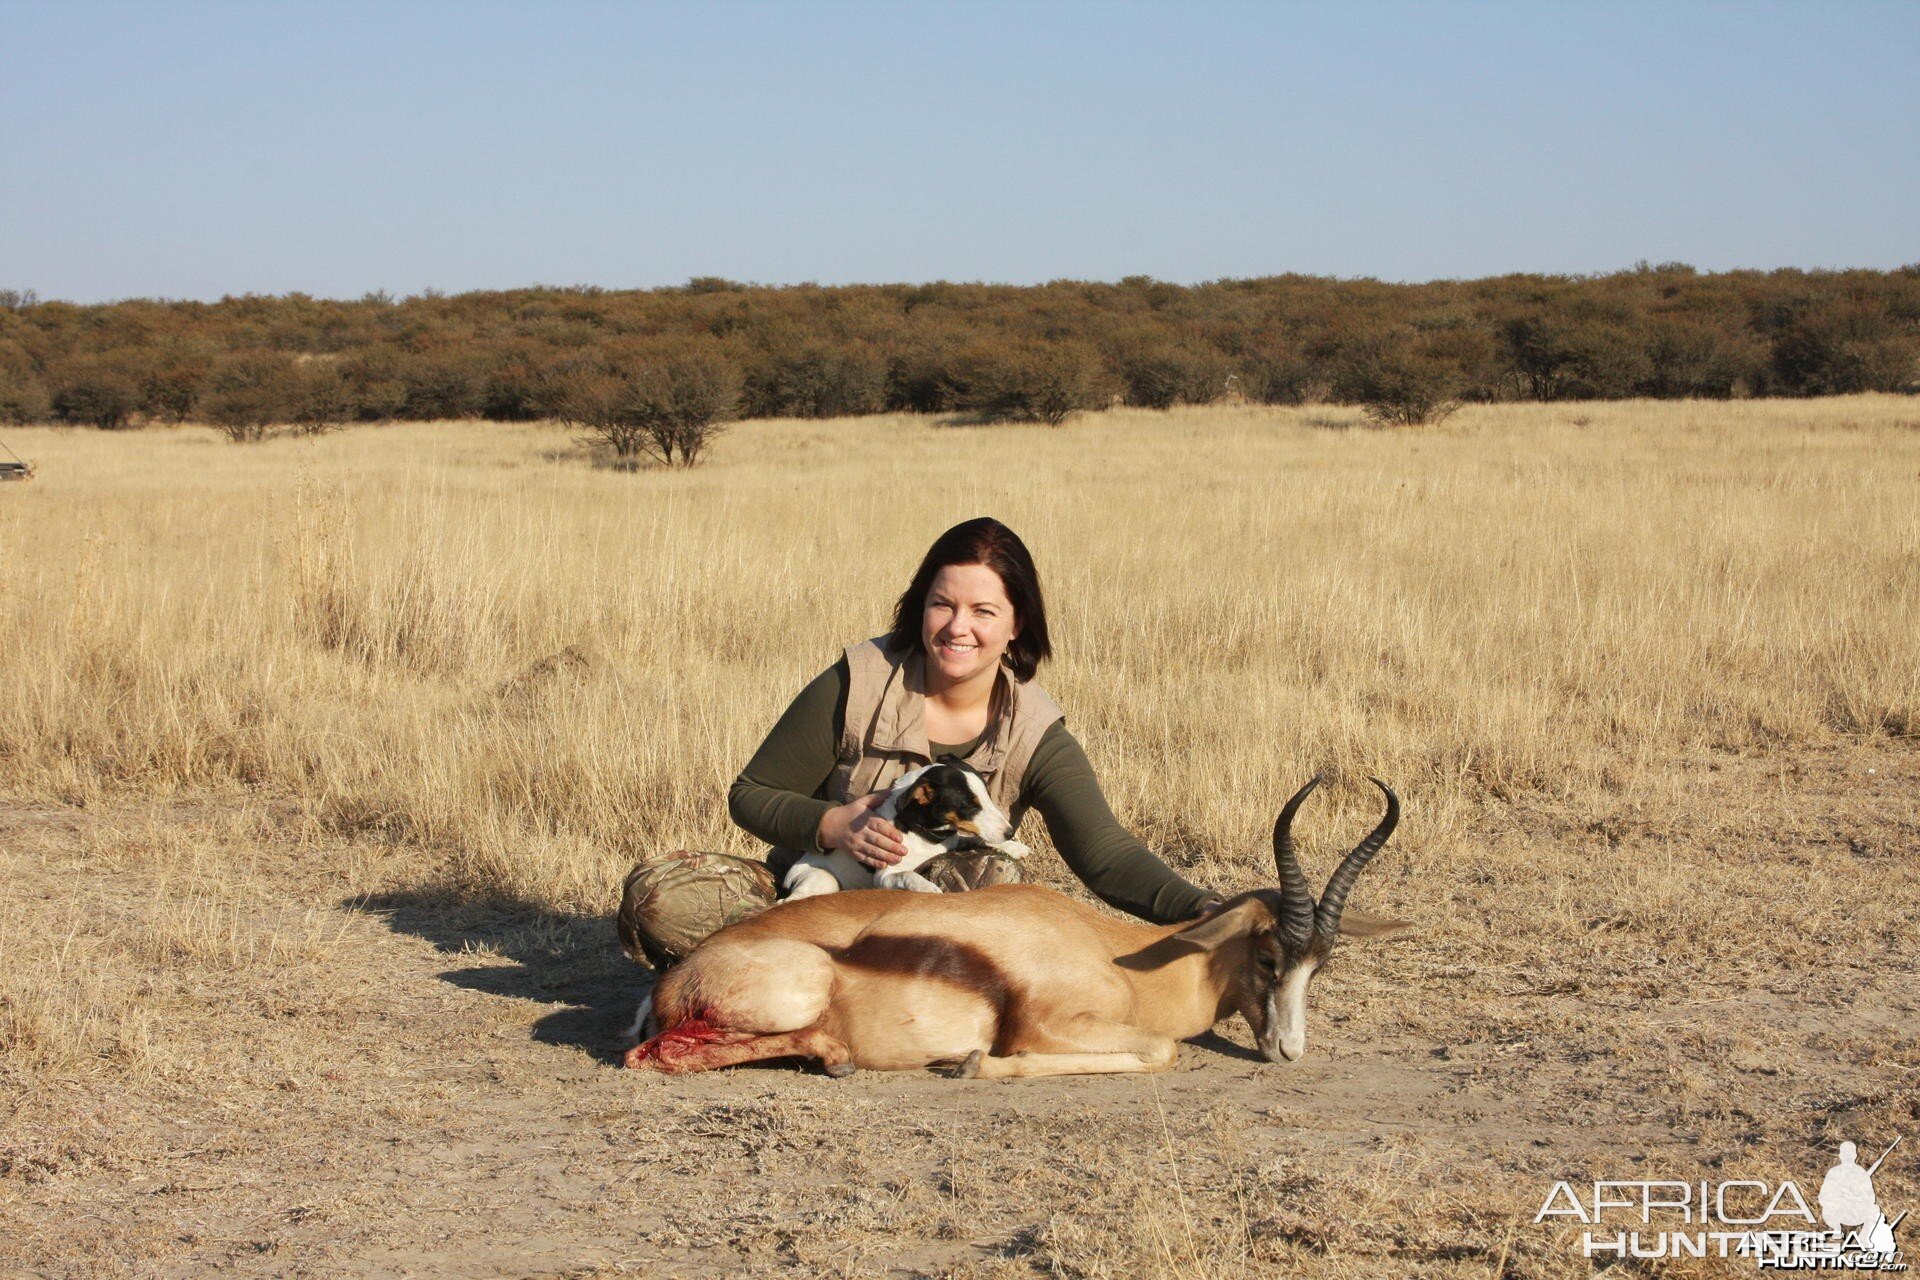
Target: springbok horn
{"type": "Point", "coordinates": [1296, 900]}
{"type": "Point", "coordinates": [1326, 919]}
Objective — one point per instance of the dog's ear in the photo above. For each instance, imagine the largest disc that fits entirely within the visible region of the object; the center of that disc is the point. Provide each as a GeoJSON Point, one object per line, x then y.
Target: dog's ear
{"type": "Point", "coordinates": [912, 807]}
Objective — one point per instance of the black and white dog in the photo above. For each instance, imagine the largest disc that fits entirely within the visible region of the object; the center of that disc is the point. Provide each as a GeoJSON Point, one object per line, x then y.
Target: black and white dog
{"type": "Point", "coordinates": [941, 808]}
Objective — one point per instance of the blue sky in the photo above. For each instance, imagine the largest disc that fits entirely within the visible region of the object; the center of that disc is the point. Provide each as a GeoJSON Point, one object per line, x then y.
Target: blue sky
{"type": "Point", "coordinates": [193, 150]}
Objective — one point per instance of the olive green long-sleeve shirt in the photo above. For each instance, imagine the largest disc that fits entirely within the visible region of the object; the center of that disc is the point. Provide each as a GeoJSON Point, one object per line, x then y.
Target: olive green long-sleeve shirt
{"type": "Point", "coordinates": [781, 796]}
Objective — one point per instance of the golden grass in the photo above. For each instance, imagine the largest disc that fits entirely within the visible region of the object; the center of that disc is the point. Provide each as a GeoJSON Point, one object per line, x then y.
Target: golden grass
{"type": "Point", "coordinates": [224, 1048]}
{"type": "Point", "coordinates": [1645, 675]}
{"type": "Point", "coordinates": [181, 909]}
{"type": "Point", "coordinates": [1529, 601]}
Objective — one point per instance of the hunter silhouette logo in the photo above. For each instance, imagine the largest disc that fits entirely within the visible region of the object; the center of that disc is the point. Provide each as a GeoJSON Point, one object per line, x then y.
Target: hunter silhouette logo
{"type": "Point", "coordinates": [1773, 1224]}
{"type": "Point", "coordinates": [1847, 1200]}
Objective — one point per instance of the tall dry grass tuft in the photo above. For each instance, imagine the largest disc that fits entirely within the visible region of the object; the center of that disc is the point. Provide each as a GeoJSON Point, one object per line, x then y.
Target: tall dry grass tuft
{"type": "Point", "coordinates": [466, 638]}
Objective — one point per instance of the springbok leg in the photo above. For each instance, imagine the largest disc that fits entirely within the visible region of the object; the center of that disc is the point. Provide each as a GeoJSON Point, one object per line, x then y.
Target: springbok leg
{"type": "Point", "coordinates": [684, 1055]}
{"type": "Point", "coordinates": [1082, 1045]}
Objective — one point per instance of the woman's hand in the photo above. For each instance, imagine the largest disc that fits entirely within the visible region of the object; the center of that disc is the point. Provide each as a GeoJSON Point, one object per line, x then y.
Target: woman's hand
{"type": "Point", "coordinates": [872, 840]}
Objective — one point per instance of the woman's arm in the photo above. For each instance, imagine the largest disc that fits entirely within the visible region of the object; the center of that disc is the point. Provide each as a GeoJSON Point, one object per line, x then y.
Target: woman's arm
{"type": "Point", "coordinates": [1121, 871]}
{"type": "Point", "coordinates": [776, 795]}
{"type": "Point", "coordinates": [773, 798]}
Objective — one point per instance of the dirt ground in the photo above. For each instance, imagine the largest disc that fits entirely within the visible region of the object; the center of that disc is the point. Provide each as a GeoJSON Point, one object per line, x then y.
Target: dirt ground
{"type": "Point", "coordinates": [322, 1066]}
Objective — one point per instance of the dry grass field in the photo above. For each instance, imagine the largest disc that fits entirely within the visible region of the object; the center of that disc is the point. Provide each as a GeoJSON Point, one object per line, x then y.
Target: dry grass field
{"type": "Point", "coordinates": [321, 759]}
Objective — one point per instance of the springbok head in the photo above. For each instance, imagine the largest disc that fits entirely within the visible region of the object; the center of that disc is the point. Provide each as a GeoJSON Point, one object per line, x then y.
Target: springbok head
{"type": "Point", "coordinates": [1279, 939]}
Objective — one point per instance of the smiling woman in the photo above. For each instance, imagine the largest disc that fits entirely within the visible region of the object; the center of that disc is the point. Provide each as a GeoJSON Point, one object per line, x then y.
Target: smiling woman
{"type": "Point", "coordinates": [953, 678]}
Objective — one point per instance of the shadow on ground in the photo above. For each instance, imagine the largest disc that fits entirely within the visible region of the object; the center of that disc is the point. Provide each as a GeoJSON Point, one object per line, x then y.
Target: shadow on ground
{"type": "Point", "coordinates": [1214, 1042]}
{"type": "Point", "coordinates": [571, 961]}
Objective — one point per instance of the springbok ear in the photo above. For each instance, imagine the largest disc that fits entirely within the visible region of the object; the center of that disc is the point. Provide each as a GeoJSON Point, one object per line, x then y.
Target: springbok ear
{"type": "Point", "coordinates": [1236, 921]}
{"type": "Point", "coordinates": [1358, 924]}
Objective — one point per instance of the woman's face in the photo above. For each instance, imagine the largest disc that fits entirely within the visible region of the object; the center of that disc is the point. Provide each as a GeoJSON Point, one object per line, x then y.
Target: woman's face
{"type": "Point", "coordinates": [967, 622]}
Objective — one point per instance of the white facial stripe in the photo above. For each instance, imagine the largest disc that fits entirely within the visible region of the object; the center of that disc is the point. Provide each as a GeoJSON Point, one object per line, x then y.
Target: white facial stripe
{"type": "Point", "coordinates": [1287, 1009]}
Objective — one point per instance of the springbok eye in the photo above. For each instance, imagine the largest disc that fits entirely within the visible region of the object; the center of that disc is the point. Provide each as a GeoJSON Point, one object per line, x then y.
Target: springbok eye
{"type": "Point", "coordinates": [1269, 963]}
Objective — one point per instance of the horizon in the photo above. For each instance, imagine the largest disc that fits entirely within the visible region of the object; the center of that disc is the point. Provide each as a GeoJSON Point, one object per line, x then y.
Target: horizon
{"type": "Point", "coordinates": [393, 298]}
{"type": "Point", "coordinates": [218, 149]}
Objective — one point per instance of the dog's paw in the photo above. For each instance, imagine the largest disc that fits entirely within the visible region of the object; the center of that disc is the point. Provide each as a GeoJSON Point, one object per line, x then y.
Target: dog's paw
{"type": "Point", "coordinates": [910, 880]}
{"type": "Point", "coordinates": [1012, 848]}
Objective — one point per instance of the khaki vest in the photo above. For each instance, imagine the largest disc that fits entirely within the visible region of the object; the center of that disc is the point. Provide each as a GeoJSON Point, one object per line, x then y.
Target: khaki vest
{"type": "Point", "coordinates": [885, 734]}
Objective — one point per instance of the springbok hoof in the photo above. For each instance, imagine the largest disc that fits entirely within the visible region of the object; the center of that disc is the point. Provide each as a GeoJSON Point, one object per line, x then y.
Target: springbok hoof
{"type": "Point", "coordinates": [966, 1068]}
{"type": "Point", "coordinates": [839, 1070]}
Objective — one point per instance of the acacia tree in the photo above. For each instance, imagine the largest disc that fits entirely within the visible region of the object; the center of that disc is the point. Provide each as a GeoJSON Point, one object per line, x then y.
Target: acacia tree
{"type": "Point", "coordinates": [171, 385]}
{"type": "Point", "coordinates": [1007, 382]}
{"type": "Point", "coordinates": [101, 391]}
{"type": "Point", "coordinates": [1399, 382]}
{"type": "Point", "coordinates": [248, 395]}
{"type": "Point", "coordinates": [668, 407]}
{"type": "Point", "coordinates": [23, 396]}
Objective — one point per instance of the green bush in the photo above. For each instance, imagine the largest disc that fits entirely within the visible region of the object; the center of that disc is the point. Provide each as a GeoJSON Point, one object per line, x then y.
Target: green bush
{"type": "Point", "coordinates": [1538, 354]}
{"type": "Point", "coordinates": [668, 405]}
{"type": "Point", "coordinates": [248, 395]}
{"type": "Point", "coordinates": [1835, 346]}
{"type": "Point", "coordinates": [23, 399]}
{"type": "Point", "coordinates": [319, 398]}
{"type": "Point", "coordinates": [1038, 383]}
{"type": "Point", "coordinates": [565, 386]}
{"type": "Point", "coordinates": [101, 391]}
{"type": "Point", "coordinates": [171, 387]}
{"type": "Point", "coordinates": [1608, 359]}
{"type": "Point", "coordinates": [510, 384]}
{"type": "Point", "coordinates": [371, 379]}
{"type": "Point", "coordinates": [1689, 359]}
{"type": "Point", "coordinates": [1578, 353]}
{"type": "Point", "coordinates": [442, 386]}
{"type": "Point", "coordinates": [923, 378]}
{"type": "Point", "coordinates": [1273, 373]}
{"type": "Point", "coordinates": [23, 395]}
{"type": "Point", "coordinates": [1159, 374]}
{"type": "Point", "coordinates": [816, 380]}
{"type": "Point", "coordinates": [1399, 383]}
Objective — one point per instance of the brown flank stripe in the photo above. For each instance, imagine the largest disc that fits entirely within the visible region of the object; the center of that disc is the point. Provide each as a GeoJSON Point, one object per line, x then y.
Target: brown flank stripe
{"type": "Point", "coordinates": [913, 955]}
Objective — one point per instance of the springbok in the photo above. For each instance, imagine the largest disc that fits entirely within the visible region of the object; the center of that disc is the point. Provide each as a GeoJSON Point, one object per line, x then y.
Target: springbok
{"type": "Point", "coordinates": [1013, 980]}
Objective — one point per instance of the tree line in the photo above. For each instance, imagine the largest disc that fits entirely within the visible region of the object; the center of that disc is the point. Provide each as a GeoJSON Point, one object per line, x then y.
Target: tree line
{"type": "Point", "coordinates": [646, 368]}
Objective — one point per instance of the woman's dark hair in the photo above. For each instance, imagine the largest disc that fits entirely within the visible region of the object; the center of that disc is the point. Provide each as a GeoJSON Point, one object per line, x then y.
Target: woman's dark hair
{"type": "Point", "coordinates": [986, 541]}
